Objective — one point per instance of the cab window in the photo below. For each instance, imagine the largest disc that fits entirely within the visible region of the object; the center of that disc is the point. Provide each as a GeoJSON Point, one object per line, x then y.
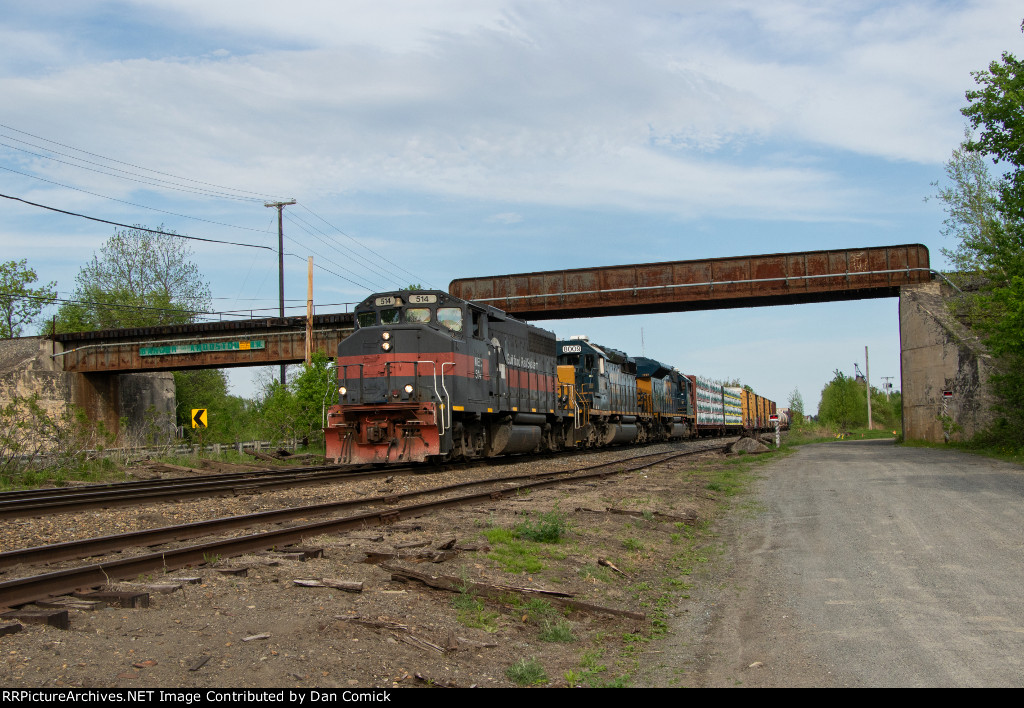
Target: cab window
{"type": "Point", "coordinates": [367, 319]}
{"type": "Point", "coordinates": [417, 315]}
{"type": "Point", "coordinates": [390, 316]}
{"type": "Point", "coordinates": [450, 317]}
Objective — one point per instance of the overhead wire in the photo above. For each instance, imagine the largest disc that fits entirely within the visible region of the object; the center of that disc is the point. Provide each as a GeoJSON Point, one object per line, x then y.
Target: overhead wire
{"type": "Point", "coordinates": [255, 195]}
{"type": "Point", "coordinates": [122, 201]}
{"type": "Point", "coordinates": [303, 227]}
{"type": "Point", "coordinates": [129, 226]}
{"type": "Point", "coordinates": [310, 228]}
{"type": "Point", "coordinates": [222, 192]}
{"type": "Point", "coordinates": [357, 242]}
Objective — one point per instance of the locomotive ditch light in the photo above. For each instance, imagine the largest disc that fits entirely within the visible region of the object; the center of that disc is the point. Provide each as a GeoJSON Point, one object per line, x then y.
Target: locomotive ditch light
{"type": "Point", "coordinates": [408, 388]}
{"type": "Point", "coordinates": [342, 390]}
{"type": "Point", "coordinates": [386, 346]}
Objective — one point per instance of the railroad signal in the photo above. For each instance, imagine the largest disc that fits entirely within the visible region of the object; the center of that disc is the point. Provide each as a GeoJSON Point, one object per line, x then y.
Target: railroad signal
{"type": "Point", "coordinates": [198, 417]}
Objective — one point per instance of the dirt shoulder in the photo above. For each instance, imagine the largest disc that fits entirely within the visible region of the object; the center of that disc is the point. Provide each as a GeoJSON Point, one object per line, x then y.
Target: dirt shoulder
{"type": "Point", "coordinates": [627, 594]}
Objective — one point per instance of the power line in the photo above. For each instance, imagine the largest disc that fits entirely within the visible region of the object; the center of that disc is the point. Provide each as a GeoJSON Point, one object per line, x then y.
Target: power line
{"type": "Point", "coordinates": [353, 240]}
{"type": "Point", "coordinates": [315, 253]}
{"type": "Point", "coordinates": [122, 201]}
{"type": "Point", "coordinates": [127, 226]}
{"type": "Point", "coordinates": [254, 195]}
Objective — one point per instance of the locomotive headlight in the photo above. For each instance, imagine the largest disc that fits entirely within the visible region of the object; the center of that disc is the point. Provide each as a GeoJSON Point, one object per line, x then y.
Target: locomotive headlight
{"type": "Point", "coordinates": [386, 346]}
{"type": "Point", "coordinates": [385, 336]}
{"type": "Point", "coordinates": [408, 388]}
{"type": "Point", "coordinates": [342, 390]}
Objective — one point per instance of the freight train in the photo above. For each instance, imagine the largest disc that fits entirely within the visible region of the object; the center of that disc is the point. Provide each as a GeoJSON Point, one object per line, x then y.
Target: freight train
{"type": "Point", "coordinates": [426, 376]}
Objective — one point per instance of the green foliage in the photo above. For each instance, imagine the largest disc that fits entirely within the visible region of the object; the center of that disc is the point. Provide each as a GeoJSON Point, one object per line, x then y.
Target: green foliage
{"type": "Point", "coordinates": [38, 446]}
{"type": "Point", "coordinates": [843, 402]}
{"type": "Point", "coordinates": [560, 631]}
{"type": "Point", "coordinates": [844, 405]}
{"type": "Point", "coordinates": [527, 672]}
{"type": "Point", "coordinates": [513, 555]}
{"type": "Point", "coordinates": [20, 304]}
{"type": "Point", "coordinates": [986, 214]}
{"type": "Point", "coordinates": [229, 418]}
{"type": "Point", "coordinates": [139, 279]}
{"type": "Point", "coordinates": [472, 612]}
{"type": "Point", "coordinates": [548, 528]}
{"type": "Point", "coordinates": [296, 410]}
{"type": "Point", "coordinates": [796, 408]}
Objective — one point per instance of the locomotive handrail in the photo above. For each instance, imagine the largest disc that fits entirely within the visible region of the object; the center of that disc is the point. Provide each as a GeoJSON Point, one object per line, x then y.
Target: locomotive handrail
{"type": "Point", "coordinates": [445, 421]}
{"type": "Point", "coordinates": [447, 398]}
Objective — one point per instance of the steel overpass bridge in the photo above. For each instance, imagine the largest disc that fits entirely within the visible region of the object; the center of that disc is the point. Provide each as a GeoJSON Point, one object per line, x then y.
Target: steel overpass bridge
{"type": "Point", "coordinates": [99, 358]}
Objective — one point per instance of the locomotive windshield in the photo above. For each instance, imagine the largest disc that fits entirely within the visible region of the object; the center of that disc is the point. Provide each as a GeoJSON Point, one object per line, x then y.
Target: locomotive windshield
{"type": "Point", "coordinates": [417, 315]}
{"type": "Point", "coordinates": [416, 311]}
{"type": "Point", "coordinates": [450, 317]}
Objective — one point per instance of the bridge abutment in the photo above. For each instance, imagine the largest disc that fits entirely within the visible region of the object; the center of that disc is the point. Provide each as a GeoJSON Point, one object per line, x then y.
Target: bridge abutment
{"type": "Point", "coordinates": [944, 368]}
{"type": "Point", "coordinates": [28, 370]}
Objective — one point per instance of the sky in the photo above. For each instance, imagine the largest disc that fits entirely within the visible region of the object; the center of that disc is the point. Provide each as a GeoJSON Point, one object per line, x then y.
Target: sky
{"type": "Point", "coordinates": [425, 142]}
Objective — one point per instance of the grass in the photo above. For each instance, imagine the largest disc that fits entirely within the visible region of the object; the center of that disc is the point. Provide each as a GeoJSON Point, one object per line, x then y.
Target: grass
{"type": "Point", "coordinates": [560, 631]}
{"type": "Point", "coordinates": [470, 611]}
{"type": "Point", "coordinates": [527, 672]}
{"type": "Point", "coordinates": [520, 549]}
{"type": "Point", "coordinates": [549, 527]}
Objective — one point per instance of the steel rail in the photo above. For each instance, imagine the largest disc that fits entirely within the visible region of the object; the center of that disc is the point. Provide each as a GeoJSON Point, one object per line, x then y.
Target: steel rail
{"type": "Point", "coordinates": [24, 590]}
{"type": "Point", "coordinates": [88, 499]}
{"type": "Point", "coordinates": [84, 548]}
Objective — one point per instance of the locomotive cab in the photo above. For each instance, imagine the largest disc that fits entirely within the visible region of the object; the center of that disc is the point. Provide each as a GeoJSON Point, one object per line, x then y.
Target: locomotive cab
{"type": "Point", "coordinates": [427, 376]}
{"type": "Point", "coordinates": [394, 371]}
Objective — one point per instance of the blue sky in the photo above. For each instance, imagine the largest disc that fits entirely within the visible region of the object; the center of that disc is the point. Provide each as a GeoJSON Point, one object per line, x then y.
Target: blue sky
{"type": "Point", "coordinates": [479, 137]}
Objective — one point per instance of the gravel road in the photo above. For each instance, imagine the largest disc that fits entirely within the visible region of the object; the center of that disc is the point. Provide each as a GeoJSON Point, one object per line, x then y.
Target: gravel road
{"type": "Point", "coordinates": [863, 564]}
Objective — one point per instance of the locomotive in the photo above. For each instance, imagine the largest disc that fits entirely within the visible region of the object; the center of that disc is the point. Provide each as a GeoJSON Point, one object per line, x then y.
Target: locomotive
{"type": "Point", "coordinates": [426, 376]}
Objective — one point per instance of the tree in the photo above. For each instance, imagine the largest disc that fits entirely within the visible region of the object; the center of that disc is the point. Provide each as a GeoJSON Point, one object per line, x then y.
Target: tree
{"type": "Point", "coordinates": [20, 304]}
{"type": "Point", "coordinates": [843, 402]}
{"type": "Point", "coordinates": [996, 112]}
{"type": "Point", "coordinates": [139, 279]}
{"type": "Point", "coordinates": [796, 408]}
{"type": "Point", "coordinates": [971, 199]}
{"type": "Point", "coordinates": [296, 410]}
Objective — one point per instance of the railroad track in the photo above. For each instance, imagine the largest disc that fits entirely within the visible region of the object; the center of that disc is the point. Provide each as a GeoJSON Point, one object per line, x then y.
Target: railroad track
{"type": "Point", "coordinates": [55, 500]}
{"type": "Point", "coordinates": [24, 590]}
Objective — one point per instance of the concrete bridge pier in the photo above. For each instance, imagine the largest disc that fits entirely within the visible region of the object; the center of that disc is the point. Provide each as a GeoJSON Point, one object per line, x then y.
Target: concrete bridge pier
{"type": "Point", "coordinates": [27, 368]}
{"type": "Point", "coordinates": [944, 368]}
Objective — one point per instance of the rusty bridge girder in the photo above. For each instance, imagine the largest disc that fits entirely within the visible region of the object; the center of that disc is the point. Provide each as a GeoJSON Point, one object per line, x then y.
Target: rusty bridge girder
{"type": "Point", "coordinates": [712, 283]}
{"type": "Point", "coordinates": [205, 345]}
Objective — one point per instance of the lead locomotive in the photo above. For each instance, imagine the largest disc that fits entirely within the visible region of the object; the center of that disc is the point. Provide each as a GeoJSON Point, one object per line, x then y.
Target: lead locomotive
{"type": "Point", "coordinates": [426, 376]}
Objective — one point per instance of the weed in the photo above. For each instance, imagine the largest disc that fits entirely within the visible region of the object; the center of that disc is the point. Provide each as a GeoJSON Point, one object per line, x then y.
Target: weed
{"type": "Point", "coordinates": [472, 612]}
{"type": "Point", "coordinates": [211, 558]}
{"type": "Point", "coordinates": [556, 632]}
{"type": "Point", "coordinates": [548, 528]}
{"type": "Point", "coordinates": [526, 672]}
{"type": "Point", "coordinates": [632, 544]}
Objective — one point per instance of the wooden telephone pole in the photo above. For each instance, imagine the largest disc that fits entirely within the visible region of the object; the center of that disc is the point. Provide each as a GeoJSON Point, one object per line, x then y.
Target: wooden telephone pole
{"type": "Point", "coordinates": [280, 256]}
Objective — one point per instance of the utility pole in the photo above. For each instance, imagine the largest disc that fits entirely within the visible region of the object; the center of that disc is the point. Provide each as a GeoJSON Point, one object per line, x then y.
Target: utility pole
{"type": "Point", "coordinates": [888, 386]}
{"type": "Point", "coordinates": [280, 256]}
{"type": "Point", "coordinates": [309, 312]}
{"type": "Point", "coordinates": [867, 380]}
